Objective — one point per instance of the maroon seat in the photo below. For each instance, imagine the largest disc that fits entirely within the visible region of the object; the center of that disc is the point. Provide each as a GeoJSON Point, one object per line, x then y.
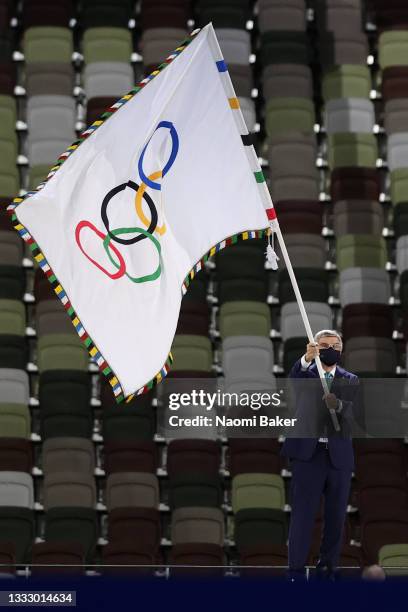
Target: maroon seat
{"type": "Point", "coordinates": [141, 525]}
{"type": "Point", "coordinates": [376, 531]}
{"type": "Point", "coordinates": [350, 183]}
{"type": "Point", "coordinates": [266, 555]}
{"type": "Point", "coordinates": [375, 500]}
{"type": "Point", "coordinates": [380, 468]}
{"type": "Point", "coordinates": [350, 560]}
{"type": "Point", "coordinates": [190, 555]}
{"type": "Point", "coordinates": [164, 15]}
{"type": "Point", "coordinates": [193, 456]}
{"type": "Point", "coordinates": [300, 216]}
{"type": "Point", "coordinates": [47, 13]}
{"type": "Point", "coordinates": [57, 555]}
{"type": "Point", "coordinates": [367, 320]}
{"type": "Point", "coordinates": [16, 455]}
{"type": "Point", "coordinates": [5, 219]}
{"type": "Point", "coordinates": [97, 106]}
{"type": "Point", "coordinates": [130, 456]}
{"type": "Point", "coordinates": [7, 78]}
{"type": "Point", "coordinates": [194, 318]}
{"type": "Point", "coordinates": [42, 287]}
{"type": "Point", "coordinates": [394, 82]}
{"type": "Point", "coordinates": [108, 399]}
{"type": "Point", "coordinates": [358, 217]}
{"type": "Point", "coordinates": [7, 557]}
{"type": "Point", "coordinates": [254, 455]}
{"type": "Point", "coordinates": [128, 554]}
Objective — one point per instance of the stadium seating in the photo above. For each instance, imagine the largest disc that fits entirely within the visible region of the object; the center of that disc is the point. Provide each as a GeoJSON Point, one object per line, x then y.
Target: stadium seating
{"type": "Point", "coordinates": [324, 93]}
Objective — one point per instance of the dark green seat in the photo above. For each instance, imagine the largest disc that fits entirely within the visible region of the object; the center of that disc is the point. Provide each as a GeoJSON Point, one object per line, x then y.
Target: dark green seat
{"type": "Point", "coordinates": [72, 524]}
{"type": "Point", "coordinates": [259, 525]}
{"type": "Point", "coordinates": [99, 16]}
{"type": "Point", "coordinates": [197, 289]}
{"type": "Point", "coordinates": [293, 349]}
{"type": "Point", "coordinates": [12, 282]}
{"type": "Point", "coordinates": [17, 526]}
{"type": "Point", "coordinates": [240, 262]}
{"type": "Point", "coordinates": [313, 284]}
{"type": "Point", "coordinates": [12, 317]}
{"type": "Point", "coordinates": [242, 289]}
{"type": "Point", "coordinates": [403, 290]}
{"type": "Point", "coordinates": [59, 389]}
{"type": "Point", "coordinates": [188, 490]}
{"type": "Point", "coordinates": [279, 47]}
{"type": "Point", "coordinates": [13, 351]}
{"type": "Point", "coordinates": [73, 421]}
{"type": "Point", "coordinates": [15, 420]}
{"type": "Point", "coordinates": [62, 352]}
{"type": "Point", "coordinates": [223, 16]}
{"type": "Point", "coordinates": [400, 219]}
{"type": "Point", "coordinates": [135, 420]}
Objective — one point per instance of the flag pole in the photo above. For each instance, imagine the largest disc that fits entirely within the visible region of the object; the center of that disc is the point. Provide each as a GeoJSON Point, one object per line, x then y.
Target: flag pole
{"type": "Point", "coordinates": [276, 229]}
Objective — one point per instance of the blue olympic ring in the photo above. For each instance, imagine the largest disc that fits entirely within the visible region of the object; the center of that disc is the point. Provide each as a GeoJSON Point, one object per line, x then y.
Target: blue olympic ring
{"type": "Point", "coordinates": [173, 154]}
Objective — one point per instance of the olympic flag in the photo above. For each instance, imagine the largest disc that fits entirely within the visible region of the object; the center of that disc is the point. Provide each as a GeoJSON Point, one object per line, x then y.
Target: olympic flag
{"type": "Point", "coordinates": [132, 210]}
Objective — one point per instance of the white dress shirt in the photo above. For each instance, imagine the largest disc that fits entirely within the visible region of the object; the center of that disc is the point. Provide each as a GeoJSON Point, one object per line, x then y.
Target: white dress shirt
{"type": "Point", "coordinates": [305, 365]}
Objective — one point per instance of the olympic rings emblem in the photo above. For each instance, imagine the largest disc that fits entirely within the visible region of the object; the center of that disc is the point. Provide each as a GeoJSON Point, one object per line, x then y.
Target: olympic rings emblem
{"type": "Point", "coordinates": [151, 226]}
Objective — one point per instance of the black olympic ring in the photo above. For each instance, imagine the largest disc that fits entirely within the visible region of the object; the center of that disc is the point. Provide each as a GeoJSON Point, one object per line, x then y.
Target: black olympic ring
{"type": "Point", "coordinates": [149, 201]}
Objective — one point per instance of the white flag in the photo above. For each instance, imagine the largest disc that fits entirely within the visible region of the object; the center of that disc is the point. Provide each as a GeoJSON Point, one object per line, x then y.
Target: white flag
{"type": "Point", "coordinates": [134, 208]}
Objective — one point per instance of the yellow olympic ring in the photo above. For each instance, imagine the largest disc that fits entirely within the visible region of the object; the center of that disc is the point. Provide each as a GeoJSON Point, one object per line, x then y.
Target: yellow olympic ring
{"type": "Point", "coordinates": [138, 203]}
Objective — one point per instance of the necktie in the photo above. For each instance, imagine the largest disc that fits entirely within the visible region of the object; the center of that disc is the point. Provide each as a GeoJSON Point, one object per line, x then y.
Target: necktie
{"type": "Point", "coordinates": [329, 377]}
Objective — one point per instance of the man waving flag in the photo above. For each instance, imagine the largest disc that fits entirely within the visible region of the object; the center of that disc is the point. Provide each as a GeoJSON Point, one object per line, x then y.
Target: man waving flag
{"type": "Point", "coordinates": [131, 211]}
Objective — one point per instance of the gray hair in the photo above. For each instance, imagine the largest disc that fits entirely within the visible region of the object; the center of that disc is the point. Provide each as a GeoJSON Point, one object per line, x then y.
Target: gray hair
{"type": "Point", "coordinates": [324, 333]}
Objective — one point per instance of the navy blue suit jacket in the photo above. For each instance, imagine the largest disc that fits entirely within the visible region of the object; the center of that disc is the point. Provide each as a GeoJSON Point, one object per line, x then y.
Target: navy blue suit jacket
{"type": "Point", "coordinates": [340, 446]}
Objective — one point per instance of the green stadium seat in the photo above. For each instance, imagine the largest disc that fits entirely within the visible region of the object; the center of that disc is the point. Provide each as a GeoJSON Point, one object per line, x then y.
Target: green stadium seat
{"type": "Point", "coordinates": [12, 317]}
{"type": "Point", "coordinates": [15, 421]}
{"type": "Point", "coordinates": [44, 42]}
{"type": "Point", "coordinates": [259, 525]}
{"type": "Point", "coordinates": [37, 174]}
{"type": "Point", "coordinates": [351, 149]}
{"type": "Point", "coordinates": [73, 524]}
{"type": "Point", "coordinates": [107, 45]}
{"type": "Point", "coordinates": [393, 48]}
{"type": "Point", "coordinates": [62, 352]}
{"type": "Point", "coordinates": [313, 284]}
{"type": "Point", "coordinates": [393, 556]}
{"type": "Point", "coordinates": [285, 115]}
{"type": "Point", "coordinates": [360, 251]}
{"type": "Point", "coordinates": [12, 282]}
{"type": "Point", "coordinates": [244, 318]}
{"type": "Point", "coordinates": [13, 351]}
{"type": "Point", "coordinates": [17, 526]}
{"type": "Point", "coordinates": [257, 491]}
{"type": "Point", "coordinates": [293, 349]}
{"type": "Point", "coordinates": [399, 185]}
{"type": "Point", "coordinates": [346, 81]}
{"type": "Point", "coordinates": [188, 490]}
{"type": "Point", "coordinates": [63, 389]}
{"type": "Point", "coordinates": [191, 352]}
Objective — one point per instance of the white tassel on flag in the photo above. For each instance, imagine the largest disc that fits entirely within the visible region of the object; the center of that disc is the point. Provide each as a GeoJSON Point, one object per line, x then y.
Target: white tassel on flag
{"type": "Point", "coordinates": [271, 256]}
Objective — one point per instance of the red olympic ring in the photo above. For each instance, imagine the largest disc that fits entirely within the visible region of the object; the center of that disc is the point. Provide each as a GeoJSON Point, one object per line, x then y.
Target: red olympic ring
{"type": "Point", "coordinates": [122, 266]}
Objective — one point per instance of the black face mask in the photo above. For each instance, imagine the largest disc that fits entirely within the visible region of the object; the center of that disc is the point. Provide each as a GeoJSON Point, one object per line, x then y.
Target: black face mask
{"type": "Point", "coordinates": [329, 356]}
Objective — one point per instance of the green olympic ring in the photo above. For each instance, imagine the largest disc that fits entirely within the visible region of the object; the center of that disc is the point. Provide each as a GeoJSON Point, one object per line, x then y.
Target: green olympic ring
{"type": "Point", "coordinates": [132, 230]}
